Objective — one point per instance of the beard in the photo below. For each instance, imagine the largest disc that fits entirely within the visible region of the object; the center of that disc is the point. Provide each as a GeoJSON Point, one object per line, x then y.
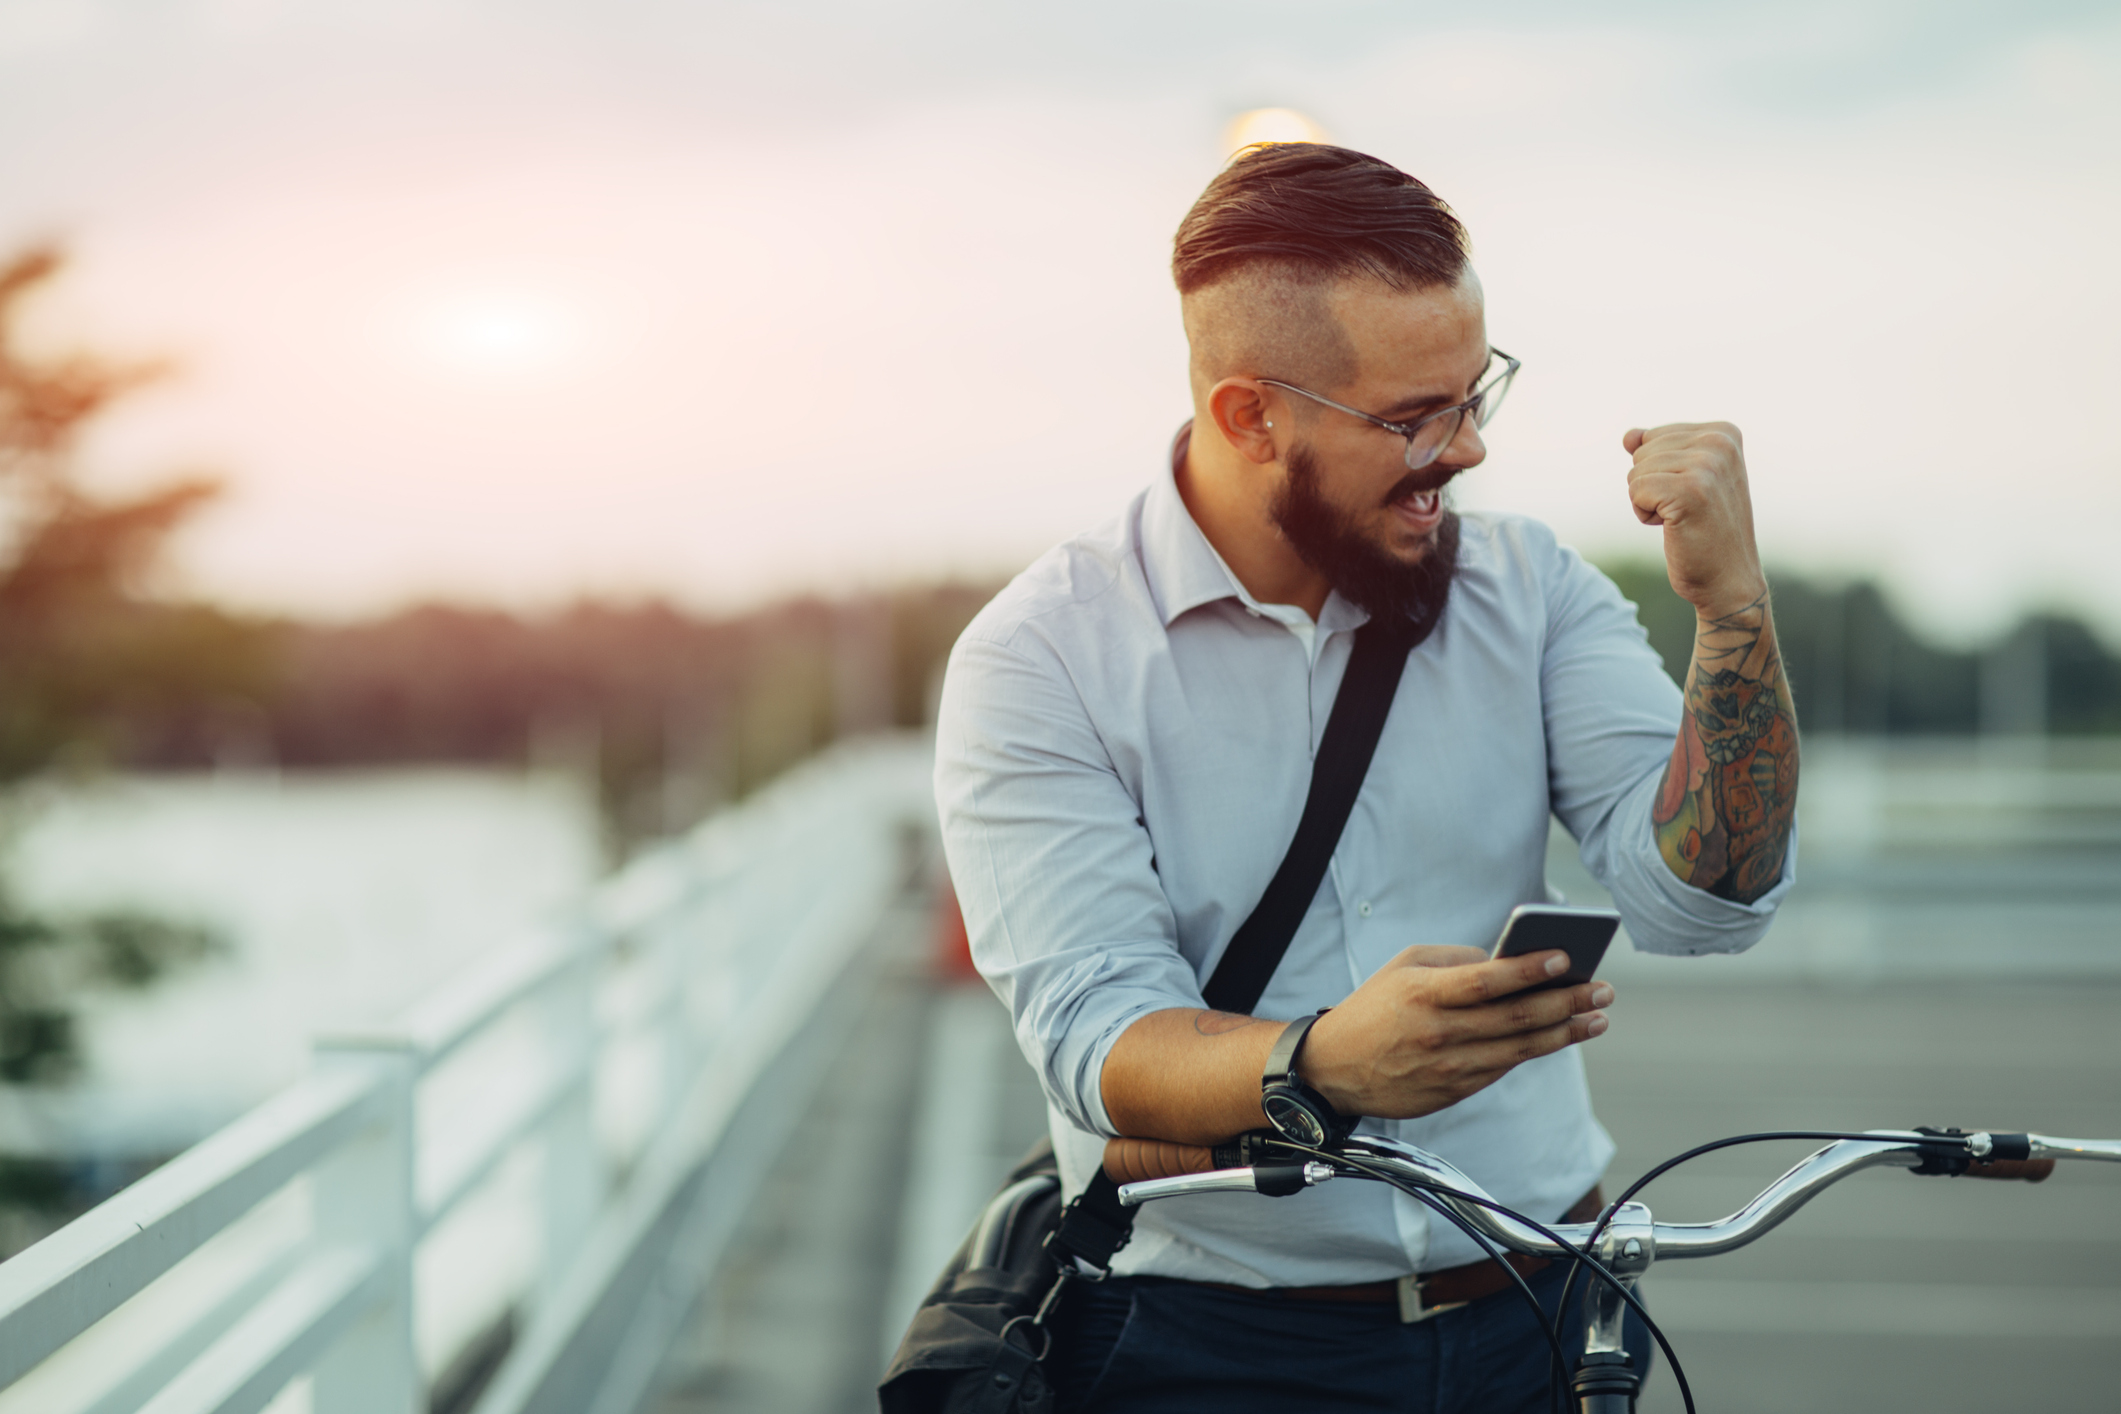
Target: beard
{"type": "Point", "coordinates": [1364, 572]}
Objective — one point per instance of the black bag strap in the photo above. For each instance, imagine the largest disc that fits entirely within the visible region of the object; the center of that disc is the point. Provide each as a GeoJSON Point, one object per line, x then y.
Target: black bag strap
{"type": "Point", "coordinates": [1352, 731]}
{"type": "Point", "coordinates": [1095, 1225]}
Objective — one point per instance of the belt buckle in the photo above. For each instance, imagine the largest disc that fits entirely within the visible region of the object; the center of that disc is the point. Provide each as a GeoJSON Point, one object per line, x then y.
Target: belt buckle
{"type": "Point", "coordinates": [1411, 1311]}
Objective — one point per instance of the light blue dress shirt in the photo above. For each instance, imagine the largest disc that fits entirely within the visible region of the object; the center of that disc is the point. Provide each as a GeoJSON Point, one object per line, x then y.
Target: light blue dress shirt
{"type": "Point", "coordinates": [1123, 750]}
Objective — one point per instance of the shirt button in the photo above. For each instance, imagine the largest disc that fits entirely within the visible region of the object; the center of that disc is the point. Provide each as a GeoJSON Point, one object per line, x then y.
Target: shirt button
{"type": "Point", "coordinates": [1363, 908]}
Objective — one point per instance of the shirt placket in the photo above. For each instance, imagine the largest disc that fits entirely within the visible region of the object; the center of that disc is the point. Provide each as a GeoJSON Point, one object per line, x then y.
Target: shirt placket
{"type": "Point", "coordinates": [1410, 1220]}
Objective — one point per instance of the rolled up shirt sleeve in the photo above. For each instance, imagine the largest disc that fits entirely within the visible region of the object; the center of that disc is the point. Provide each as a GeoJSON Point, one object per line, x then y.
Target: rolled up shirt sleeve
{"type": "Point", "coordinates": [1053, 867]}
{"type": "Point", "coordinates": [1612, 715]}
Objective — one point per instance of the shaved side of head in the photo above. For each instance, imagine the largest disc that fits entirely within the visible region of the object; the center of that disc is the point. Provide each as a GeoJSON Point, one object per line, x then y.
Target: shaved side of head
{"type": "Point", "coordinates": [1268, 319]}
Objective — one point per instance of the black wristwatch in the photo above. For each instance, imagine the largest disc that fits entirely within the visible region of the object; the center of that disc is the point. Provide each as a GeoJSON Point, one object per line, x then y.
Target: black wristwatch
{"type": "Point", "coordinates": [1299, 1113]}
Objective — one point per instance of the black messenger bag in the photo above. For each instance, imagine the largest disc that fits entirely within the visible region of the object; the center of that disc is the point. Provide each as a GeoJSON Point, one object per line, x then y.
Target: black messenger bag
{"type": "Point", "coordinates": [978, 1343]}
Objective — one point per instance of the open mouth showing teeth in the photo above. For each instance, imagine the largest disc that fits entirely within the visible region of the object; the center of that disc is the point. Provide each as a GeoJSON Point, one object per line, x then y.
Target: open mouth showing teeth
{"type": "Point", "coordinates": [1416, 499]}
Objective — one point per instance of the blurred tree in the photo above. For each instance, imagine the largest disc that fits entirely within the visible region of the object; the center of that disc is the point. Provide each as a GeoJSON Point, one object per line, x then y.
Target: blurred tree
{"type": "Point", "coordinates": [2082, 691]}
{"type": "Point", "coordinates": [1668, 619]}
{"type": "Point", "coordinates": [925, 624]}
{"type": "Point", "coordinates": [667, 713]}
{"type": "Point", "coordinates": [44, 965]}
{"type": "Point", "coordinates": [1856, 667]}
{"type": "Point", "coordinates": [86, 649]}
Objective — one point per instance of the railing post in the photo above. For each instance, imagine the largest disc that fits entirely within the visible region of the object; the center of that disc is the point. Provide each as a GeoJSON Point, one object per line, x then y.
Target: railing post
{"type": "Point", "coordinates": [677, 949]}
{"type": "Point", "coordinates": [362, 1195]}
{"type": "Point", "coordinates": [572, 1178]}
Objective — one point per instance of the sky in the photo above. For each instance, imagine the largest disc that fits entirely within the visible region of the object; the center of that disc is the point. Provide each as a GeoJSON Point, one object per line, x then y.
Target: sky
{"type": "Point", "coordinates": [515, 302]}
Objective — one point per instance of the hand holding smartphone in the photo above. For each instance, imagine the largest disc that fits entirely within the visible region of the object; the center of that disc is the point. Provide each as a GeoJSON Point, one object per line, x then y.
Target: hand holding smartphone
{"type": "Point", "coordinates": [1582, 933]}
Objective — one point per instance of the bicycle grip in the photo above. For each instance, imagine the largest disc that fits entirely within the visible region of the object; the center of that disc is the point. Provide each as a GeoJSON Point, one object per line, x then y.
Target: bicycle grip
{"type": "Point", "coordinates": [1133, 1160]}
{"type": "Point", "coordinates": [2025, 1170]}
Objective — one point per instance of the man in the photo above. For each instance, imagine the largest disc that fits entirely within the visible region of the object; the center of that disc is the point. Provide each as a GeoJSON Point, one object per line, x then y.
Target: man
{"type": "Point", "coordinates": [1125, 746]}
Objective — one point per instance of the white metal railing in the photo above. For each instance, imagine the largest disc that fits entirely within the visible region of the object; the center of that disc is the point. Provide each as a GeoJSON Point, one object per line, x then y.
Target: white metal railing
{"type": "Point", "coordinates": [525, 1150]}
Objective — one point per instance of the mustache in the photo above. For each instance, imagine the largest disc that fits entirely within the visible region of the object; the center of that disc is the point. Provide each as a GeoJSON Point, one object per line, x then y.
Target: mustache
{"type": "Point", "coordinates": [1415, 483]}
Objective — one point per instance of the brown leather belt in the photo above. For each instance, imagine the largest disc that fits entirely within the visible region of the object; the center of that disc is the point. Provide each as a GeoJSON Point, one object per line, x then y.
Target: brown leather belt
{"type": "Point", "coordinates": [1428, 1293]}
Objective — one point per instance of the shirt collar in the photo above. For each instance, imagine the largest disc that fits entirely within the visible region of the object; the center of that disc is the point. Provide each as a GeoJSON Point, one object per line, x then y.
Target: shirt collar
{"type": "Point", "coordinates": [1184, 570]}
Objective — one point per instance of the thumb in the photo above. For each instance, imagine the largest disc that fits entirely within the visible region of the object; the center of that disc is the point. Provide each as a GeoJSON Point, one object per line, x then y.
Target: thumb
{"type": "Point", "coordinates": [1631, 441]}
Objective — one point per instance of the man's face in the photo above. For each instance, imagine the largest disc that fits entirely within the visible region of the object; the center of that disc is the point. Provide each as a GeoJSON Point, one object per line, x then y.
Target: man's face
{"type": "Point", "coordinates": [1347, 480]}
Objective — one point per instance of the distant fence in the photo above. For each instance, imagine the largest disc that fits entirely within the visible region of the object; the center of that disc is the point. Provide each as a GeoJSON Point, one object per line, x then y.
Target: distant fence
{"type": "Point", "coordinates": [517, 1167]}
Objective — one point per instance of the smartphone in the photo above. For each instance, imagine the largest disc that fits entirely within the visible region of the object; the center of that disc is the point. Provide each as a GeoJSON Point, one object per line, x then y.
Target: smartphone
{"type": "Point", "coordinates": [1582, 933]}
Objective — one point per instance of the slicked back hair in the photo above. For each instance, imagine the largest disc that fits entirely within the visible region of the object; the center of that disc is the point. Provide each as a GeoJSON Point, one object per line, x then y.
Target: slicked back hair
{"type": "Point", "coordinates": [1319, 213]}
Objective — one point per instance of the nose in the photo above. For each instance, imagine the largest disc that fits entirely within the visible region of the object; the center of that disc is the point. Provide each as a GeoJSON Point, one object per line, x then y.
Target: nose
{"type": "Point", "coordinates": [1465, 450]}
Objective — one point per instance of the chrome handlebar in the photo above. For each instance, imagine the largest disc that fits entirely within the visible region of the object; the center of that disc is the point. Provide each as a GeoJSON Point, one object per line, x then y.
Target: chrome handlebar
{"type": "Point", "coordinates": [2045, 1147]}
{"type": "Point", "coordinates": [1890, 1147]}
{"type": "Point", "coordinates": [1244, 1180]}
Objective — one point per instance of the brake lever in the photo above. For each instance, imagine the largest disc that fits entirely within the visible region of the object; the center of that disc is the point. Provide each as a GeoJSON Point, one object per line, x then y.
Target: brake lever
{"type": "Point", "coordinates": [1275, 1180]}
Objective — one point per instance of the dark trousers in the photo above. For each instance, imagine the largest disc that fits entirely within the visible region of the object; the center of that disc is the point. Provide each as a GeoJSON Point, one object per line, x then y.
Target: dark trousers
{"type": "Point", "coordinates": [1143, 1345]}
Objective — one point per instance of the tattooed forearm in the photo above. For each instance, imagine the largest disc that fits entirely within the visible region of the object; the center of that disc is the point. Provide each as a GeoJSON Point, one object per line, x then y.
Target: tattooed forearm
{"type": "Point", "coordinates": [1729, 795]}
{"type": "Point", "coordinates": [1215, 1023]}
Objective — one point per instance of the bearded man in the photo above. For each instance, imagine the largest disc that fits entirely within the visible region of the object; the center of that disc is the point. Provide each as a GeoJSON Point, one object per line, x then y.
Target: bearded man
{"type": "Point", "coordinates": [1125, 747]}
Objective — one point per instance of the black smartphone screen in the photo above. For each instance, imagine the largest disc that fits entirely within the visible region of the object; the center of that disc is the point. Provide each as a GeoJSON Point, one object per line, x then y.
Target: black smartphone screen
{"type": "Point", "coordinates": [1582, 933]}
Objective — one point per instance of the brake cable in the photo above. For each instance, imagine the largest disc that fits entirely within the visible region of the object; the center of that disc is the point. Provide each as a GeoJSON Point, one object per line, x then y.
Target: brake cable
{"type": "Point", "coordinates": [1558, 1376]}
{"type": "Point", "coordinates": [1420, 1190]}
{"type": "Point", "coordinates": [1582, 1258]}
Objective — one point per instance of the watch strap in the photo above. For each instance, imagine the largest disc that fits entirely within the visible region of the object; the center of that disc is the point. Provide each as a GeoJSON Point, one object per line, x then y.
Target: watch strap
{"type": "Point", "coordinates": [1281, 1061]}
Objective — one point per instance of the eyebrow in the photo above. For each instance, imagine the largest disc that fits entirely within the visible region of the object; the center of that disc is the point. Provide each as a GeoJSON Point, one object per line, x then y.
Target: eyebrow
{"type": "Point", "coordinates": [1419, 403]}
{"type": "Point", "coordinates": [1409, 407]}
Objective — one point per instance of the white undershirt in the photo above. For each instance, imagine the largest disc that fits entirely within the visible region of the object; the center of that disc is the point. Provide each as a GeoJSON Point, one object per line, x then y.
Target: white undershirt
{"type": "Point", "coordinates": [1293, 619]}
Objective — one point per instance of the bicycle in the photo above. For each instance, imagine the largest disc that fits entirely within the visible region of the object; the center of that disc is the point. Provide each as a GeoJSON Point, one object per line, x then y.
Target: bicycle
{"type": "Point", "coordinates": [1618, 1246]}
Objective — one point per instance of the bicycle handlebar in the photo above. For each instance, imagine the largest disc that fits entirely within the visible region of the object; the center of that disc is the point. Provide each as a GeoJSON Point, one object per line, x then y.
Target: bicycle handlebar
{"type": "Point", "coordinates": [2028, 1157]}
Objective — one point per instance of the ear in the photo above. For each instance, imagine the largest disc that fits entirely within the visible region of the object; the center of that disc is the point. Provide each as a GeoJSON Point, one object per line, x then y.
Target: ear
{"type": "Point", "coordinates": [1242, 409]}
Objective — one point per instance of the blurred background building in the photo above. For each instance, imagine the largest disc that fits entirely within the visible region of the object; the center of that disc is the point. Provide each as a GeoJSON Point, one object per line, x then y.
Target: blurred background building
{"type": "Point", "coordinates": [601, 412]}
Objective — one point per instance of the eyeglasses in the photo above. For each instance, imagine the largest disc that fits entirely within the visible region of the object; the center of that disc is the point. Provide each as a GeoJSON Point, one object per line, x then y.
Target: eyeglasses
{"type": "Point", "coordinates": [1427, 438]}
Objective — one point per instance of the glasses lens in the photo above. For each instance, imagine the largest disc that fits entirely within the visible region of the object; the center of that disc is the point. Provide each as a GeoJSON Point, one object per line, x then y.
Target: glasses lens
{"type": "Point", "coordinates": [1429, 439]}
{"type": "Point", "coordinates": [1492, 395]}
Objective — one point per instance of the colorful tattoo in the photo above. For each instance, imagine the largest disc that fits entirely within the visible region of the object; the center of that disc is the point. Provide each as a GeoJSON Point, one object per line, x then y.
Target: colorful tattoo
{"type": "Point", "coordinates": [1729, 796]}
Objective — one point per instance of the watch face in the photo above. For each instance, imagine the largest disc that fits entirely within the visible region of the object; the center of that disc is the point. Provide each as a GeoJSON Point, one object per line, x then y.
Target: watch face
{"type": "Point", "coordinates": [1293, 1120]}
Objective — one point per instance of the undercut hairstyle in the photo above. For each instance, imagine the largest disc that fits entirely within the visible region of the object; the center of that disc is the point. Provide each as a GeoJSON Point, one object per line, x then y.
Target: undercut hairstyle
{"type": "Point", "coordinates": [1282, 223]}
{"type": "Point", "coordinates": [1319, 211]}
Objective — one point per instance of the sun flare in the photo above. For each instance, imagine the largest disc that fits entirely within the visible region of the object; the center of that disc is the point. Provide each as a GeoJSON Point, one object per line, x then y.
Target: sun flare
{"type": "Point", "coordinates": [1270, 125]}
{"type": "Point", "coordinates": [492, 335]}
